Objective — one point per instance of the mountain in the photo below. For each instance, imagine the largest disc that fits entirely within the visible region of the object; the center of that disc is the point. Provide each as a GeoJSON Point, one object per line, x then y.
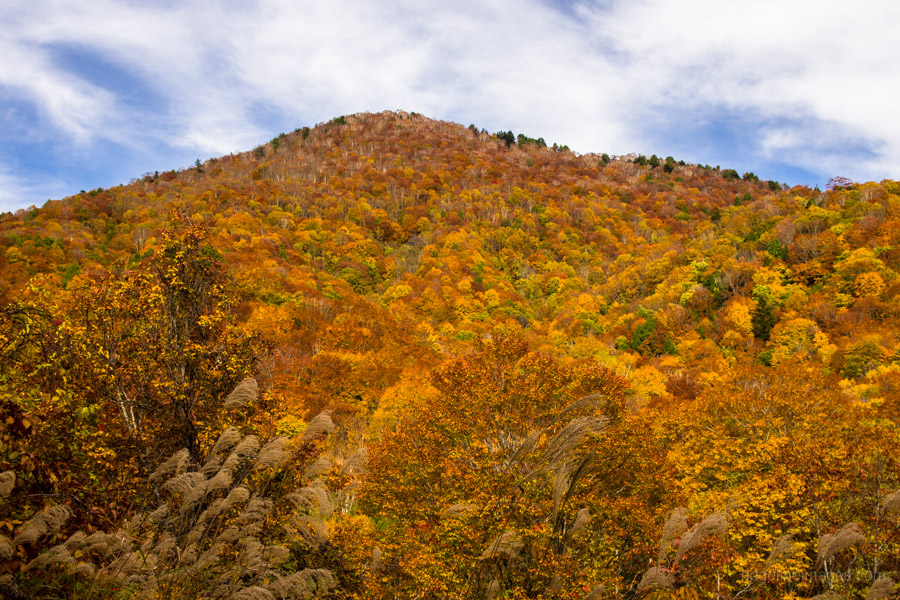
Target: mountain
{"type": "Point", "coordinates": [545, 354]}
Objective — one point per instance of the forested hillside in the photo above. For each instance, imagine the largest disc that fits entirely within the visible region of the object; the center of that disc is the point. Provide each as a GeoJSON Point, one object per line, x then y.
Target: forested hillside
{"type": "Point", "coordinates": [391, 357]}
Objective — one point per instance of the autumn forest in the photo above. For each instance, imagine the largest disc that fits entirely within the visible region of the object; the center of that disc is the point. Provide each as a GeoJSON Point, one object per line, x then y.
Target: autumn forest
{"type": "Point", "coordinates": [388, 357]}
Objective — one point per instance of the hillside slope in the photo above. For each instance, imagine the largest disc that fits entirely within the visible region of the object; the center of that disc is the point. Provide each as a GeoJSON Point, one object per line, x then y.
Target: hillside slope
{"type": "Point", "coordinates": [443, 292]}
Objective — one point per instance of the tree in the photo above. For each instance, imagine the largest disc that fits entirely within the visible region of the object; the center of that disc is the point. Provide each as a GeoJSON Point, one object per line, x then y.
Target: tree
{"type": "Point", "coordinates": [506, 136]}
{"type": "Point", "coordinates": [839, 183]}
{"type": "Point", "coordinates": [151, 350]}
{"type": "Point", "coordinates": [496, 478]}
{"type": "Point", "coordinates": [763, 317]}
{"type": "Point", "coordinates": [201, 353]}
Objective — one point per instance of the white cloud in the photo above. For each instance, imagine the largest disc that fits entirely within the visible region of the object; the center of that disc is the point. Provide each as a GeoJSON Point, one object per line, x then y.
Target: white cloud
{"type": "Point", "coordinates": [480, 59]}
{"type": "Point", "coordinates": [810, 75]}
{"type": "Point", "coordinates": [18, 192]}
{"type": "Point", "coordinates": [70, 104]}
{"type": "Point", "coordinates": [828, 64]}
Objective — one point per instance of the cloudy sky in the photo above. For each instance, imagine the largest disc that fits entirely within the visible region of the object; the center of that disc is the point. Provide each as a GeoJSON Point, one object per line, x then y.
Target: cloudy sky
{"type": "Point", "coordinates": [95, 92]}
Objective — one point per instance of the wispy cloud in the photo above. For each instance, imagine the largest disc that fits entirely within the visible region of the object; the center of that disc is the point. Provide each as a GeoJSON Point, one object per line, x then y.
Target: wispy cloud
{"type": "Point", "coordinates": [14, 190]}
{"type": "Point", "coordinates": [822, 67]}
{"type": "Point", "coordinates": [805, 86]}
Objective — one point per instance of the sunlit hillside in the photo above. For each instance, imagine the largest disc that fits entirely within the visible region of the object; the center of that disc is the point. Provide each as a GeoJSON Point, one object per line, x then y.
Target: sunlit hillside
{"type": "Point", "coordinates": [392, 357]}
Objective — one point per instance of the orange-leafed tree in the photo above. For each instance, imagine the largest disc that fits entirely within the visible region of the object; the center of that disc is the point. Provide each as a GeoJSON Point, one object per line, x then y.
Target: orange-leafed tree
{"type": "Point", "coordinates": [509, 479]}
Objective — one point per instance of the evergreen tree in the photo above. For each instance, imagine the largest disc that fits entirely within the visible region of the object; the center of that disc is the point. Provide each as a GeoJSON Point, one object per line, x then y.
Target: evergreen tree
{"type": "Point", "coordinates": [763, 318]}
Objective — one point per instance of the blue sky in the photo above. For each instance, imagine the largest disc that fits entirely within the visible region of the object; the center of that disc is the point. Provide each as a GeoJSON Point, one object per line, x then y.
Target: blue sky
{"type": "Point", "coordinates": [96, 92]}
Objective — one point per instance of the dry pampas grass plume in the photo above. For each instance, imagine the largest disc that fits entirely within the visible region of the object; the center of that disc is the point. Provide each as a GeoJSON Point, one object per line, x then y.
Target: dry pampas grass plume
{"type": "Point", "coordinates": [675, 526]}
{"type": "Point", "coordinates": [715, 524]}
{"type": "Point", "coordinates": [784, 548]}
{"type": "Point", "coordinates": [182, 485]}
{"type": "Point", "coordinates": [883, 587]}
{"type": "Point", "coordinates": [312, 530]}
{"type": "Point", "coordinates": [311, 496]}
{"type": "Point", "coordinates": [175, 465]}
{"type": "Point", "coordinates": [560, 484]}
{"type": "Point", "coordinates": [57, 557]}
{"type": "Point", "coordinates": [891, 504]}
{"type": "Point", "coordinates": [581, 520]}
{"type": "Point", "coordinates": [256, 510]}
{"type": "Point", "coordinates": [253, 593]}
{"type": "Point", "coordinates": [318, 468]}
{"type": "Point", "coordinates": [6, 548]}
{"type": "Point", "coordinates": [276, 555]}
{"type": "Point", "coordinates": [525, 447]}
{"type": "Point", "coordinates": [243, 394]}
{"type": "Point", "coordinates": [212, 466]}
{"type": "Point", "coordinates": [272, 454]}
{"type": "Point", "coordinates": [303, 584]}
{"type": "Point", "coordinates": [457, 511]}
{"type": "Point", "coordinates": [830, 544]}
{"type": "Point", "coordinates": [569, 437]}
{"type": "Point", "coordinates": [507, 544]}
{"type": "Point", "coordinates": [320, 425]}
{"type": "Point", "coordinates": [7, 481]}
{"type": "Point", "coordinates": [160, 515]}
{"type": "Point", "coordinates": [828, 595]}
{"type": "Point", "coordinates": [227, 440]}
{"type": "Point", "coordinates": [245, 450]}
{"type": "Point", "coordinates": [376, 563]}
{"type": "Point", "coordinates": [237, 496]}
{"type": "Point", "coordinates": [221, 481]}
{"type": "Point", "coordinates": [47, 523]}
{"type": "Point", "coordinates": [655, 577]}
{"type": "Point", "coordinates": [356, 463]}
